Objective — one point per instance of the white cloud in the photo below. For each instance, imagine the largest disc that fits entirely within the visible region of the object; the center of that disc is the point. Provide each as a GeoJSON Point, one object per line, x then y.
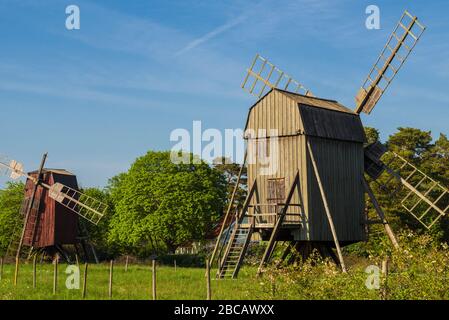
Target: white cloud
{"type": "Point", "coordinates": [212, 34]}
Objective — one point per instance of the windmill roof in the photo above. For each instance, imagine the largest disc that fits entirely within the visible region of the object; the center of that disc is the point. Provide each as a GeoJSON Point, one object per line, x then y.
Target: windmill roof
{"type": "Point", "coordinates": [57, 171]}
{"type": "Point", "coordinates": [323, 117]}
{"type": "Point", "coordinates": [317, 102]}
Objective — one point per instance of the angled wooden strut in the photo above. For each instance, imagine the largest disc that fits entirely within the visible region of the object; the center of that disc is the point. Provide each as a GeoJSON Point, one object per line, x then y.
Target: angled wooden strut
{"type": "Point", "coordinates": [381, 214]}
{"type": "Point", "coordinates": [280, 220]}
{"type": "Point", "coordinates": [326, 207]}
{"type": "Point", "coordinates": [288, 249]}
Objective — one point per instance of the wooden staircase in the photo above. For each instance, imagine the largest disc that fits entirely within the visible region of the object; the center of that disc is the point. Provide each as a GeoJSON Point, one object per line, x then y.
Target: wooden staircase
{"type": "Point", "coordinates": [236, 249]}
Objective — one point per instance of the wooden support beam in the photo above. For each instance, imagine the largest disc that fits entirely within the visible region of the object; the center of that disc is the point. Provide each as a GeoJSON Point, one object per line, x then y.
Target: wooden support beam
{"type": "Point", "coordinates": [208, 284]}
{"type": "Point", "coordinates": [154, 278]}
{"type": "Point", "coordinates": [111, 275]}
{"type": "Point", "coordinates": [85, 281]}
{"type": "Point", "coordinates": [326, 207]}
{"type": "Point", "coordinates": [381, 214]}
{"type": "Point", "coordinates": [285, 253]}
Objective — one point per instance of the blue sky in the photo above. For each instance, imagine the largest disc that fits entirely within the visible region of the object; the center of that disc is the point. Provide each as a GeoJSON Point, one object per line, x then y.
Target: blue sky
{"type": "Point", "coordinates": [98, 97]}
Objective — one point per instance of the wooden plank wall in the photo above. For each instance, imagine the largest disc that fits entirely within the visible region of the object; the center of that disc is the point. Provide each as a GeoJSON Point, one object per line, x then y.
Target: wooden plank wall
{"type": "Point", "coordinates": [57, 224]}
{"type": "Point", "coordinates": [277, 111]}
{"type": "Point", "coordinates": [66, 221]}
{"type": "Point", "coordinates": [341, 169]}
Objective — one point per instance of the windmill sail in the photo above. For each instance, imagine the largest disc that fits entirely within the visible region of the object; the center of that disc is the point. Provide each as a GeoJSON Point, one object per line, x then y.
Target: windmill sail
{"type": "Point", "coordinates": [11, 168]}
{"type": "Point", "coordinates": [263, 76]}
{"type": "Point", "coordinates": [426, 199]}
{"type": "Point", "coordinates": [403, 39]}
{"type": "Point", "coordinates": [87, 207]}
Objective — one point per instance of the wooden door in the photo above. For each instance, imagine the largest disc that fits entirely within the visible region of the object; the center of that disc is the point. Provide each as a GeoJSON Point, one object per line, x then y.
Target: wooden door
{"type": "Point", "coordinates": [276, 194]}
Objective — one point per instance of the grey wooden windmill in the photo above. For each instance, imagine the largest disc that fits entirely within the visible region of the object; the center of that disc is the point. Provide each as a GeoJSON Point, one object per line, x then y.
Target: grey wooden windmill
{"type": "Point", "coordinates": [50, 210]}
{"type": "Point", "coordinates": [315, 197]}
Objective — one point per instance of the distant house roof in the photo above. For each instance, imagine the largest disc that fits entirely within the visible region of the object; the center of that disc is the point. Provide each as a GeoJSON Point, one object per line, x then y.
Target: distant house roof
{"type": "Point", "coordinates": [324, 118]}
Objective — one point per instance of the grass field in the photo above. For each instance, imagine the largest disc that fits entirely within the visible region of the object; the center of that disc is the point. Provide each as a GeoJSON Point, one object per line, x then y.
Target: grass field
{"type": "Point", "coordinates": [135, 284]}
{"type": "Point", "coordinates": [420, 270]}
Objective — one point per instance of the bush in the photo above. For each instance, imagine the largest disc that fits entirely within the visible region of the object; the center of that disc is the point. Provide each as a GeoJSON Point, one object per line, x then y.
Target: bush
{"type": "Point", "coordinates": [184, 260]}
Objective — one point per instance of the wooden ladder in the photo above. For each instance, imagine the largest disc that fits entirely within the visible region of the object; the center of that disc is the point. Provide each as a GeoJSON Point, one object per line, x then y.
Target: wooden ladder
{"type": "Point", "coordinates": [14, 242]}
{"type": "Point", "coordinates": [236, 249]}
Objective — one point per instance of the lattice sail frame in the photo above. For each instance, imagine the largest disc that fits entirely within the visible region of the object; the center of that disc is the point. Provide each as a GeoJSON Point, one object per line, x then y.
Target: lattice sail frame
{"type": "Point", "coordinates": [403, 39]}
{"type": "Point", "coordinates": [87, 207]}
{"type": "Point", "coordinates": [263, 76]}
{"type": "Point", "coordinates": [426, 199]}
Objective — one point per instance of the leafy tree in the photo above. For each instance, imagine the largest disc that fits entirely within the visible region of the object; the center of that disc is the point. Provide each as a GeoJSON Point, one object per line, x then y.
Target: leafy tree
{"type": "Point", "coordinates": [11, 199]}
{"type": "Point", "coordinates": [231, 171]}
{"type": "Point", "coordinates": [436, 160]}
{"type": "Point", "coordinates": [372, 135]}
{"type": "Point", "coordinates": [161, 205]}
{"type": "Point", "coordinates": [99, 233]}
{"type": "Point", "coordinates": [410, 143]}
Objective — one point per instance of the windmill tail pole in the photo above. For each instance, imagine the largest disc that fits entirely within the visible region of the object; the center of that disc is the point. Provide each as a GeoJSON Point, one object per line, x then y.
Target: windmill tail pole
{"type": "Point", "coordinates": [30, 205]}
{"type": "Point", "coordinates": [381, 215]}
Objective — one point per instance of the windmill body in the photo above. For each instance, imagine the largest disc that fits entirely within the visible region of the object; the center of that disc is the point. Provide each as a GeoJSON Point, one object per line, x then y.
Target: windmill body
{"type": "Point", "coordinates": [50, 223]}
{"type": "Point", "coordinates": [336, 136]}
{"type": "Point", "coordinates": [313, 195]}
{"type": "Point", "coordinates": [50, 213]}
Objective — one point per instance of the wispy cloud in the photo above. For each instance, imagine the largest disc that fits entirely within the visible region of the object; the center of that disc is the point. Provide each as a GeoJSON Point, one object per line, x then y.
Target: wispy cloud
{"type": "Point", "coordinates": [212, 34]}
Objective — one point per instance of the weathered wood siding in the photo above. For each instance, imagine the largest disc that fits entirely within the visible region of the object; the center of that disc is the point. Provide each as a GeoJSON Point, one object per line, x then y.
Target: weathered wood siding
{"type": "Point", "coordinates": [276, 111]}
{"type": "Point", "coordinates": [57, 224]}
{"type": "Point", "coordinates": [340, 166]}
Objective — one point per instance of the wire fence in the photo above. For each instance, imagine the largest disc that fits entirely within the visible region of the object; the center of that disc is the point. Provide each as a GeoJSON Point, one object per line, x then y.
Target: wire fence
{"type": "Point", "coordinates": [123, 279]}
{"type": "Point", "coordinates": [148, 280]}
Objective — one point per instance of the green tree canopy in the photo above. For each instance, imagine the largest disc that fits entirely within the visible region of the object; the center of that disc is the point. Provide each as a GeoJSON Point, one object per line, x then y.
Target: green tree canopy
{"type": "Point", "coordinates": [231, 171]}
{"type": "Point", "coordinates": [410, 142]}
{"type": "Point", "coordinates": [160, 202]}
{"type": "Point", "coordinates": [99, 234]}
{"type": "Point", "coordinates": [372, 135]}
{"type": "Point", "coordinates": [10, 202]}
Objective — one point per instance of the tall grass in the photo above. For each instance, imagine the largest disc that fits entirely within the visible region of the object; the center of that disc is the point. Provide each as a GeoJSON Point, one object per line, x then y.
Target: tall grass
{"type": "Point", "coordinates": [420, 270]}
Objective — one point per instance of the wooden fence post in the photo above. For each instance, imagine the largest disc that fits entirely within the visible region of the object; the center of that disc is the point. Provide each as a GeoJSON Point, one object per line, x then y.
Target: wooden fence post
{"type": "Point", "coordinates": [176, 267]}
{"type": "Point", "coordinates": [16, 272]}
{"type": "Point", "coordinates": [126, 263]}
{"type": "Point", "coordinates": [85, 281]}
{"type": "Point", "coordinates": [34, 271]}
{"type": "Point", "coordinates": [209, 292]}
{"type": "Point", "coordinates": [55, 274]}
{"type": "Point", "coordinates": [111, 271]}
{"type": "Point", "coordinates": [385, 267]}
{"type": "Point", "coordinates": [1, 268]}
{"type": "Point", "coordinates": [154, 280]}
